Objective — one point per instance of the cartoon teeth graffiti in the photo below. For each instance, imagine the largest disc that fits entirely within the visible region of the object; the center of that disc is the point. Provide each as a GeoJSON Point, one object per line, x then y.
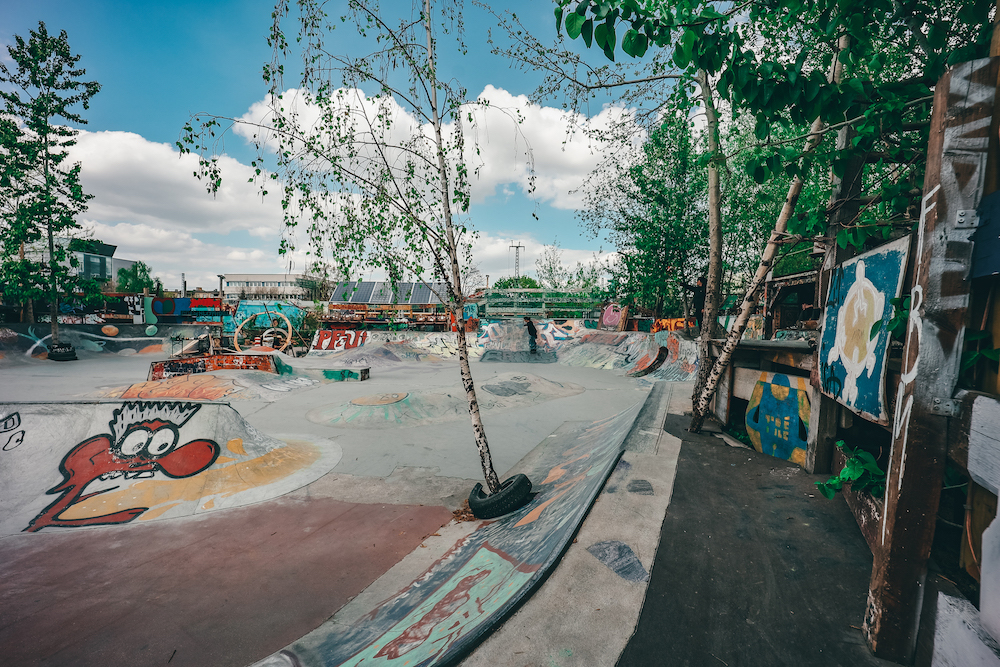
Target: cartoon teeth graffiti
{"type": "Point", "coordinates": [143, 441]}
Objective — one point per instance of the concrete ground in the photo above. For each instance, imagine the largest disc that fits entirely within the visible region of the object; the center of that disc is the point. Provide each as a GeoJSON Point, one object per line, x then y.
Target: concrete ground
{"type": "Point", "coordinates": [696, 553]}
{"type": "Point", "coordinates": [230, 586]}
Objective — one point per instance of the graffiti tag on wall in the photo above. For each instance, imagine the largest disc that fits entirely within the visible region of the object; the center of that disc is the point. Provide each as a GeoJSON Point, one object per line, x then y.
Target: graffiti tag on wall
{"type": "Point", "coordinates": [338, 341]}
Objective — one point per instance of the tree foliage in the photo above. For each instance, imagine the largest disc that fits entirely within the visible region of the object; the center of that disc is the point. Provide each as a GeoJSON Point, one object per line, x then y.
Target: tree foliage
{"type": "Point", "coordinates": [770, 60]}
{"type": "Point", "coordinates": [652, 208]}
{"type": "Point", "coordinates": [368, 151]}
{"type": "Point", "coordinates": [41, 192]}
{"type": "Point", "coordinates": [135, 278]}
{"type": "Point", "coordinates": [553, 274]}
{"type": "Point", "coordinates": [518, 282]}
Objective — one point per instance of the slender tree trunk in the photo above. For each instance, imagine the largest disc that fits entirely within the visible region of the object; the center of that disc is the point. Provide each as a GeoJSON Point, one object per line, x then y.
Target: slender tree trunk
{"type": "Point", "coordinates": [457, 297]}
{"type": "Point", "coordinates": [28, 311]}
{"type": "Point", "coordinates": [53, 287]}
{"type": "Point", "coordinates": [751, 297]}
{"type": "Point", "coordinates": [711, 315]}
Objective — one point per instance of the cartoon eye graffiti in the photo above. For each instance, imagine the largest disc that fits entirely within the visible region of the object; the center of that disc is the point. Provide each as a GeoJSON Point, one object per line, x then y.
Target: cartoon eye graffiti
{"type": "Point", "coordinates": [162, 441]}
{"type": "Point", "coordinates": [134, 442]}
{"type": "Point", "coordinates": [10, 423]}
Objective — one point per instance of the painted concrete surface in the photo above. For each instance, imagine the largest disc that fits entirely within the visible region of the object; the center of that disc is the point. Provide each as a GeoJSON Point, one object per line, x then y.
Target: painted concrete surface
{"type": "Point", "coordinates": [106, 463]}
{"type": "Point", "coordinates": [220, 589]}
{"type": "Point", "coordinates": [222, 451]}
{"type": "Point", "coordinates": [443, 614]}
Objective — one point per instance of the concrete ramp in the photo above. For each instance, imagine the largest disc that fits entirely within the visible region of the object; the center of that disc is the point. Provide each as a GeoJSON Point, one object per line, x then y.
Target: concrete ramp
{"type": "Point", "coordinates": [93, 463]}
{"type": "Point", "coordinates": [663, 355]}
{"type": "Point", "coordinates": [483, 578]}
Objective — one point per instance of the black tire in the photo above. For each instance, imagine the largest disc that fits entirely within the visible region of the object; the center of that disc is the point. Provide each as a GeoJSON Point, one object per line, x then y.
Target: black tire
{"type": "Point", "coordinates": [514, 493]}
{"type": "Point", "coordinates": [62, 353]}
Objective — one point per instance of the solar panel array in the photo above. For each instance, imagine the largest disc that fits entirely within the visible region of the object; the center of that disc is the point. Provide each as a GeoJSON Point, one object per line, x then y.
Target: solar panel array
{"type": "Point", "coordinates": [364, 293]}
{"type": "Point", "coordinates": [380, 292]}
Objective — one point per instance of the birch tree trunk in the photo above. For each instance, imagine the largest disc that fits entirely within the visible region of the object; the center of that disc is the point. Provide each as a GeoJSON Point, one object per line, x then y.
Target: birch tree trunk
{"type": "Point", "coordinates": [711, 315]}
{"type": "Point", "coordinates": [700, 403]}
{"type": "Point", "coordinates": [457, 297]}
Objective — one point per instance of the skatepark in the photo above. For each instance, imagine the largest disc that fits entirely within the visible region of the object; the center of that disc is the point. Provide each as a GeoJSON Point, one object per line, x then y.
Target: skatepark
{"type": "Point", "coordinates": [301, 515]}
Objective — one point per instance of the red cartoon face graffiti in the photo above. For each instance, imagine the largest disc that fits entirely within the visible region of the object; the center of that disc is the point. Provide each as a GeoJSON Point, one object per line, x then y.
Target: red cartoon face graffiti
{"type": "Point", "coordinates": [143, 441]}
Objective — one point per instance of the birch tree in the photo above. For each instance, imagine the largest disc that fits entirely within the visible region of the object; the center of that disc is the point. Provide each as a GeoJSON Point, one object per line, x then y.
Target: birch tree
{"type": "Point", "coordinates": [368, 153]}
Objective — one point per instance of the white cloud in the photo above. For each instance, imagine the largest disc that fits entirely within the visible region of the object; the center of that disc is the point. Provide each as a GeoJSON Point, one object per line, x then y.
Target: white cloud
{"type": "Point", "coordinates": [142, 182]}
{"type": "Point", "coordinates": [147, 201]}
{"type": "Point", "coordinates": [507, 138]}
{"type": "Point", "coordinates": [562, 152]}
{"type": "Point", "coordinates": [171, 252]}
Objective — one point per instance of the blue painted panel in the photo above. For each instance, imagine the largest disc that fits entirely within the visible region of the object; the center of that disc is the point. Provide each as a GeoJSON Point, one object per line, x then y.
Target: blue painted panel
{"type": "Point", "coordinates": [852, 362]}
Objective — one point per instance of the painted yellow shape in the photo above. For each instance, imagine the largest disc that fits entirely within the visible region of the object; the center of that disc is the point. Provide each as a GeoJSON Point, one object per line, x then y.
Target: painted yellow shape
{"type": "Point", "coordinates": [380, 399]}
{"type": "Point", "coordinates": [219, 482]}
{"type": "Point", "coordinates": [236, 446]}
{"type": "Point", "coordinates": [860, 313]}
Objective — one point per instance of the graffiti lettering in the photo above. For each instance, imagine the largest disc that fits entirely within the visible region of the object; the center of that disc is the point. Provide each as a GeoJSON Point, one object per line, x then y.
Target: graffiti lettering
{"type": "Point", "coordinates": [338, 341]}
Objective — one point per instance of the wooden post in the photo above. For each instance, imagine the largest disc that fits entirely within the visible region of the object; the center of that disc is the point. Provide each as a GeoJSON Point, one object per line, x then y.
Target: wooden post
{"type": "Point", "coordinates": [953, 187]}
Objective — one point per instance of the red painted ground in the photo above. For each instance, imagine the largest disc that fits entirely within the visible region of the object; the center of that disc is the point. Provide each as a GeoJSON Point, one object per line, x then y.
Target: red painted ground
{"type": "Point", "coordinates": [225, 589]}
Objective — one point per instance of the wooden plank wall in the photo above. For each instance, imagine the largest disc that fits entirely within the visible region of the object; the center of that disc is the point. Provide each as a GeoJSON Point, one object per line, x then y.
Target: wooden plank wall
{"type": "Point", "coordinates": [953, 187]}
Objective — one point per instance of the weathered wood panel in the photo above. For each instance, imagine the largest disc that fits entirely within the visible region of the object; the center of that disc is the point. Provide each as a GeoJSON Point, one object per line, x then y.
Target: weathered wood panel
{"type": "Point", "coordinates": [953, 187]}
{"type": "Point", "coordinates": [867, 510]}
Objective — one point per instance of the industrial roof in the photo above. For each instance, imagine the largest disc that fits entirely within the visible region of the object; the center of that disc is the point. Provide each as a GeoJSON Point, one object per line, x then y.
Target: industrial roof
{"type": "Point", "coordinates": [380, 292]}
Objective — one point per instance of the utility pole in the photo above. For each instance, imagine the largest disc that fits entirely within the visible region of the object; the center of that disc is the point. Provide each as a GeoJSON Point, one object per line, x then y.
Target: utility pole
{"type": "Point", "coordinates": [517, 260]}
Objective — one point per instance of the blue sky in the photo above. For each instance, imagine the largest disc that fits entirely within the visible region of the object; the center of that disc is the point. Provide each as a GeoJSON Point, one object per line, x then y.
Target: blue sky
{"type": "Point", "coordinates": [160, 62]}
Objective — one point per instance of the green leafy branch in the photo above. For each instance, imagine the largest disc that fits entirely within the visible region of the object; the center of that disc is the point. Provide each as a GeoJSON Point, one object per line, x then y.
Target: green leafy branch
{"type": "Point", "coordinates": [897, 323]}
{"type": "Point", "coordinates": [860, 470]}
{"type": "Point", "coordinates": [971, 357]}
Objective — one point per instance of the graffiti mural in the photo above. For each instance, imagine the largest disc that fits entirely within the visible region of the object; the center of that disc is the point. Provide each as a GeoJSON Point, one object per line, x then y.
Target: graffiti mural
{"type": "Point", "coordinates": [143, 439]}
{"type": "Point", "coordinates": [777, 417]}
{"type": "Point", "coordinates": [191, 387]}
{"type": "Point", "coordinates": [486, 574]}
{"type": "Point", "coordinates": [167, 310]}
{"type": "Point", "coordinates": [215, 362]}
{"type": "Point", "coordinates": [96, 463]}
{"type": "Point", "coordinates": [338, 341]}
{"type": "Point", "coordinates": [852, 359]}
{"type": "Point", "coordinates": [25, 341]}
{"type": "Point", "coordinates": [613, 317]}
{"type": "Point", "coordinates": [671, 324]}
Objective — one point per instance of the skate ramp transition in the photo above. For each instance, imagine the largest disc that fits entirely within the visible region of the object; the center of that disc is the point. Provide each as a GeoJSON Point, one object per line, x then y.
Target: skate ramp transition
{"type": "Point", "coordinates": [658, 356]}
{"type": "Point", "coordinates": [92, 463]}
{"type": "Point", "coordinates": [482, 579]}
